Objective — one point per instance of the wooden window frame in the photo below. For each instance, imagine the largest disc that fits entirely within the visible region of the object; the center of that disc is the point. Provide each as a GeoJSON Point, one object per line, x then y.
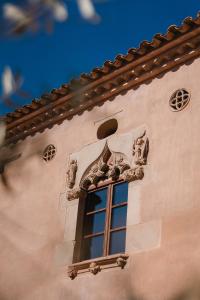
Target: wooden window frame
{"type": "Point", "coordinates": [94, 265]}
{"type": "Point", "coordinates": [108, 213]}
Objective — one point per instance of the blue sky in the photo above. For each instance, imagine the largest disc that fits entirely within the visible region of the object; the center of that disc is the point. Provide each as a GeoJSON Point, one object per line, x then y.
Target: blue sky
{"type": "Point", "coordinates": [76, 46]}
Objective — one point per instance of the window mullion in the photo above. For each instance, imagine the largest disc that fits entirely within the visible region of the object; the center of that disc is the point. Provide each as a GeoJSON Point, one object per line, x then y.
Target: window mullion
{"type": "Point", "coordinates": [108, 220]}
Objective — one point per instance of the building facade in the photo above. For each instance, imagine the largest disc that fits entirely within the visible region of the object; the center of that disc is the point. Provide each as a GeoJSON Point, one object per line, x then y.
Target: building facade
{"type": "Point", "coordinates": [100, 181]}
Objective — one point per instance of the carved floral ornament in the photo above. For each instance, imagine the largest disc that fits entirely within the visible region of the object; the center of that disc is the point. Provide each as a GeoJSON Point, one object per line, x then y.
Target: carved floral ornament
{"type": "Point", "coordinates": [110, 165]}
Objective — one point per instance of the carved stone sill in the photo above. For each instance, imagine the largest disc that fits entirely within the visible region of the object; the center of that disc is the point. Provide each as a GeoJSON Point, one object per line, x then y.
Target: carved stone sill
{"type": "Point", "coordinates": [94, 266]}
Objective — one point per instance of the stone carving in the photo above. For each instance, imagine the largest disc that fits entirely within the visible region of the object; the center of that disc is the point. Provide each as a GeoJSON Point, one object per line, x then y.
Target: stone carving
{"type": "Point", "coordinates": [94, 268]}
{"type": "Point", "coordinates": [133, 174]}
{"type": "Point", "coordinates": [141, 149]}
{"type": "Point", "coordinates": [108, 165]}
{"type": "Point", "coordinates": [75, 194]}
{"type": "Point", "coordinates": [117, 165]}
{"type": "Point", "coordinates": [72, 273]}
{"type": "Point", "coordinates": [97, 171]}
{"type": "Point", "coordinates": [71, 173]}
{"type": "Point", "coordinates": [121, 262]}
{"type": "Point", "coordinates": [114, 165]}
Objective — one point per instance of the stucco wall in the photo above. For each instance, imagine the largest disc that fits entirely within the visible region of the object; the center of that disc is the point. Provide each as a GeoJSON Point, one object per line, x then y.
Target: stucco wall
{"type": "Point", "coordinates": [38, 223]}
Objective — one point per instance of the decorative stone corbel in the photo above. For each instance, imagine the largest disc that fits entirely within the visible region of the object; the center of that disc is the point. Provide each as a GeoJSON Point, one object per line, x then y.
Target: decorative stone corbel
{"type": "Point", "coordinates": [141, 149]}
{"type": "Point", "coordinates": [94, 268]}
{"type": "Point", "coordinates": [71, 173]}
{"type": "Point", "coordinates": [72, 273]}
{"type": "Point", "coordinates": [121, 262]}
{"type": "Point", "coordinates": [75, 194]}
{"type": "Point", "coordinates": [133, 174]}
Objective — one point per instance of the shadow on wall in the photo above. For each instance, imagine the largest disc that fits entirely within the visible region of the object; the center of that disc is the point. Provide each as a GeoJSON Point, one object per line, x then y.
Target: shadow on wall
{"type": "Point", "coordinates": [13, 153]}
{"type": "Point", "coordinates": [192, 292]}
{"type": "Point", "coordinates": [26, 241]}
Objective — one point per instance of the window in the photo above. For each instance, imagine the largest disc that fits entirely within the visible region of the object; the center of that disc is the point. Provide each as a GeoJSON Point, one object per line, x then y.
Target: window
{"type": "Point", "coordinates": [104, 221]}
{"type": "Point", "coordinates": [49, 152]}
{"type": "Point", "coordinates": [102, 192]}
{"type": "Point", "coordinates": [107, 128]}
{"type": "Point", "coordinates": [179, 100]}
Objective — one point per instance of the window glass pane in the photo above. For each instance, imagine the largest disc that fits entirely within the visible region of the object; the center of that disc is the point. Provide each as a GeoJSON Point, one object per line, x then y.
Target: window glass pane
{"type": "Point", "coordinates": [117, 242]}
{"type": "Point", "coordinates": [96, 200]}
{"type": "Point", "coordinates": [119, 216]}
{"type": "Point", "coordinates": [120, 193]}
{"type": "Point", "coordinates": [94, 223]}
{"type": "Point", "coordinates": [93, 247]}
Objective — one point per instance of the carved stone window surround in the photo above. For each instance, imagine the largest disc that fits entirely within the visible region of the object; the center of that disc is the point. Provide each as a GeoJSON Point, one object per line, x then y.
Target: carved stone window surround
{"type": "Point", "coordinates": [129, 175]}
{"type": "Point", "coordinates": [109, 167]}
{"type": "Point", "coordinates": [104, 183]}
{"type": "Point", "coordinates": [94, 266]}
{"type": "Point", "coordinates": [112, 165]}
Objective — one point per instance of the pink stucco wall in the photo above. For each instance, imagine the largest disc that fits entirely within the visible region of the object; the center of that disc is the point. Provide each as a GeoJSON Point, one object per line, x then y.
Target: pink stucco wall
{"type": "Point", "coordinates": [34, 209]}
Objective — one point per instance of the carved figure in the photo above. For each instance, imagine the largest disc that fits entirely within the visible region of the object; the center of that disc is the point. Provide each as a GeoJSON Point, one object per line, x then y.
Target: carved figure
{"type": "Point", "coordinates": [94, 268]}
{"type": "Point", "coordinates": [71, 173]}
{"type": "Point", "coordinates": [117, 165]}
{"type": "Point", "coordinates": [141, 149]}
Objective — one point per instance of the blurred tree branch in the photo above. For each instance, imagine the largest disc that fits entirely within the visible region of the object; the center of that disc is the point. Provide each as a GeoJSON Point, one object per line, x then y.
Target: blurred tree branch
{"type": "Point", "coordinates": [30, 16]}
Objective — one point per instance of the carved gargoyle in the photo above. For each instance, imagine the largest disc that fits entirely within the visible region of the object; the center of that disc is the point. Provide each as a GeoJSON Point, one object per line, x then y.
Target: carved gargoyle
{"type": "Point", "coordinates": [141, 149]}
{"type": "Point", "coordinates": [71, 173]}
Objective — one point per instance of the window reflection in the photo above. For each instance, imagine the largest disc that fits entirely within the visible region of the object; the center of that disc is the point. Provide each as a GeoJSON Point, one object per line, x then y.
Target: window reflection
{"type": "Point", "coordinates": [117, 242]}
{"type": "Point", "coordinates": [93, 247]}
{"type": "Point", "coordinates": [119, 216]}
{"type": "Point", "coordinates": [95, 223]}
{"type": "Point", "coordinates": [96, 200]}
{"type": "Point", "coordinates": [120, 193]}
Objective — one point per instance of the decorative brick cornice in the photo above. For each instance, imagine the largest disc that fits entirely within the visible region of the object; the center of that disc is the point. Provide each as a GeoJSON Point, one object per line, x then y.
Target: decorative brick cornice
{"type": "Point", "coordinates": [163, 53]}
